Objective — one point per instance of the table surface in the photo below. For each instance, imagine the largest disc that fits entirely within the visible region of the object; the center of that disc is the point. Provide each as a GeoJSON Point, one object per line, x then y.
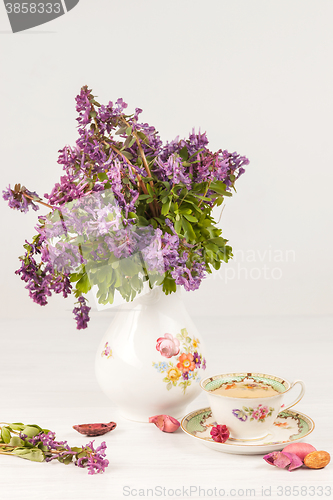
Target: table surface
{"type": "Point", "coordinates": [47, 377]}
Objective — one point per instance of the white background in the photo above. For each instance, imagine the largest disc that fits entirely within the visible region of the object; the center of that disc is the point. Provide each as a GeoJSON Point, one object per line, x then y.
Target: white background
{"type": "Point", "coordinates": [257, 76]}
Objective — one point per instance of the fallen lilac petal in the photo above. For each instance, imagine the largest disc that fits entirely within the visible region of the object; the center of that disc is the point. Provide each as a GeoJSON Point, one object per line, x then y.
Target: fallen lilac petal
{"type": "Point", "coordinates": [165, 423]}
{"type": "Point", "coordinates": [295, 461]}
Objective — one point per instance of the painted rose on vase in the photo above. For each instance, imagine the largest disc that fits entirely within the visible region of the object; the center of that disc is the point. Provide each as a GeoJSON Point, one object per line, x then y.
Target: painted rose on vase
{"type": "Point", "coordinates": [168, 345]}
{"type": "Point", "coordinates": [185, 360]}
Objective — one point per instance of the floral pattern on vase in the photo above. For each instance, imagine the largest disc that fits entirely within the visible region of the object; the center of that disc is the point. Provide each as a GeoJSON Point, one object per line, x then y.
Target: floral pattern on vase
{"type": "Point", "coordinates": [184, 370]}
{"type": "Point", "coordinates": [259, 413]}
{"type": "Point", "coordinates": [107, 351]}
{"type": "Point", "coordinates": [168, 345]}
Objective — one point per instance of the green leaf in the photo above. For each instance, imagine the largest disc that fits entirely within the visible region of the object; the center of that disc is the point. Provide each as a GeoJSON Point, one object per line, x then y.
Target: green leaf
{"type": "Point", "coordinates": [127, 155]}
{"type": "Point", "coordinates": [191, 218]}
{"type": "Point", "coordinates": [128, 267]}
{"type": "Point", "coordinates": [102, 176]}
{"type": "Point", "coordinates": [16, 441]}
{"type": "Point", "coordinates": [184, 210]}
{"type": "Point", "coordinates": [165, 208]}
{"type": "Point", "coordinates": [169, 285]}
{"type": "Point", "coordinates": [5, 435]}
{"type": "Point", "coordinates": [33, 454]}
{"type": "Point", "coordinates": [169, 386]}
{"type": "Point", "coordinates": [76, 449]}
{"type": "Point", "coordinates": [218, 187]}
{"type": "Point", "coordinates": [21, 451]}
{"type": "Point", "coordinates": [150, 190]}
{"type": "Point", "coordinates": [221, 242]}
{"type": "Point", "coordinates": [131, 142]}
{"type": "Point", "coordinates": [17, 426]}
{"type": "Point", "coordinates": [83, 285]}
{"type": "Point", "coordinates": [144, 196]}
{"type": "Point", "coordinates": [178, 226]}
{"type": "Point", "coordinates": [75, 277]}
{"type": "Point", "coordinates": [31, 430]}
{"type": "Point", "coordinates": [121, 130]}
{"type": "Point", "coordinates": [189, 233]}
{"type": "Point", "coordinates": [143, 137]}
{"type": "Point", "coordinates": [183, 153]}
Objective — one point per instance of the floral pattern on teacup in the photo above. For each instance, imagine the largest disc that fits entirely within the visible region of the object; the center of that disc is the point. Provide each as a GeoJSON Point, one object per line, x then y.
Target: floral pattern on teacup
{"type": "Point", "coordinates": [259, 413]}
{"type": "Point", "coordinates": [184, 370]}
{"type": "Point", "coordinates": [240, 414]}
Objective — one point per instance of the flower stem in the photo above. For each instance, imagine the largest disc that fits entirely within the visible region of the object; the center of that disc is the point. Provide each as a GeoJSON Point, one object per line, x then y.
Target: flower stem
{"type": "Point", "coordinates": [38, 201]}
{"type": "Point", "coordinates": [139, 178]}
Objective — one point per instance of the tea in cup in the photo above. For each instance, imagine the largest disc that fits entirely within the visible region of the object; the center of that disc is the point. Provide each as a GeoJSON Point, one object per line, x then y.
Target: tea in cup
{"type": "Point", "coordinates": [248, 403]}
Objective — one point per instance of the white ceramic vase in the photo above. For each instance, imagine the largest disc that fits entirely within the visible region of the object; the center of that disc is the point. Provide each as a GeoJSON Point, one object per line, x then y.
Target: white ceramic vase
{"type": "Point", "coordinates": [151, 359]}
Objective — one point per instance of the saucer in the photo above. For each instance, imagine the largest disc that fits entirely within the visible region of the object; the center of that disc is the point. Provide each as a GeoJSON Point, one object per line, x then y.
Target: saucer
{"type": "Point", "coordinates": [289, 426]}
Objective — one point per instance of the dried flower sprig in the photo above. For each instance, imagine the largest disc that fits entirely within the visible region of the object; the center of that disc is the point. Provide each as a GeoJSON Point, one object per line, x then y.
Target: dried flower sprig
{"type": "Point", "coordinates": [34, 443]}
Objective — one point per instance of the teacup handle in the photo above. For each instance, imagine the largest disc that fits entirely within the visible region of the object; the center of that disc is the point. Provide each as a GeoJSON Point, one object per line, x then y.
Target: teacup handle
{"type": "Point", "coordinates": [301, 394]}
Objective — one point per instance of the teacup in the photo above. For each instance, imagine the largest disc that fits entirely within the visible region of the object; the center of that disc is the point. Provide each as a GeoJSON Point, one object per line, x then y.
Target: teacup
{"type": "Point", "coordinates": [248, 403]}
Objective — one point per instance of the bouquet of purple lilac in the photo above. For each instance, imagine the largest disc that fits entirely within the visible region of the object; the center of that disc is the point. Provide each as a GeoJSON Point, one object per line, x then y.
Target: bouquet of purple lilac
{"type": "Point", "coordinates": [34, 443]}
{"type": "Point", "coordinates": [127, 211]}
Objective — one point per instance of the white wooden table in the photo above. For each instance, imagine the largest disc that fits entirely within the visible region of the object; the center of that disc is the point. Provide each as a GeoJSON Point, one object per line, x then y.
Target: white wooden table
{"type": "Point", "coordinates": [47, 377]}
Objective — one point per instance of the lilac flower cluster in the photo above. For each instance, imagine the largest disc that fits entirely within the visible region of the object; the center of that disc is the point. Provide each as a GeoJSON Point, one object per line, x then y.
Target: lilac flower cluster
{"type": "Point", "coordinates": [85, 457]}
{"type": "Point", "coordinates": [208, 166]}
{"type": "Point", "coordinates": [95, 461]}
{"type": "Point", "coordinates": [20, 198]}
{"type": "Point", "coordinates": [40, 278]}
{"type": "Point", "coordinates": [81, 313]}
{"type": "Point", "coordinates": [126, 209]}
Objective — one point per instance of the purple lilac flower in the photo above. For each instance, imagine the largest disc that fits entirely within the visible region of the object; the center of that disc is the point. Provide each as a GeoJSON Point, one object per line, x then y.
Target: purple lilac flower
{"type": "Point", "coordinates": [17, 200]}
{"type": "Point", "coordinates": [95, 461]}
{"type": "Point", "coordinates": [204, 364]}
{"type": "Point", "coordinates": [189, 278]}
{"type": "Point", "coordinates": [91, 458]}
{"type": "Point", "coordinates": [48, 440]}
{"type": "Point", "coordinates": [172, 169]}
{"type": "Point", "coordinates": [81, 313]}
{"type": "Point", "coordinates": [38, 280]}
{"type": "Point", "coordinates": [83, 106]}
